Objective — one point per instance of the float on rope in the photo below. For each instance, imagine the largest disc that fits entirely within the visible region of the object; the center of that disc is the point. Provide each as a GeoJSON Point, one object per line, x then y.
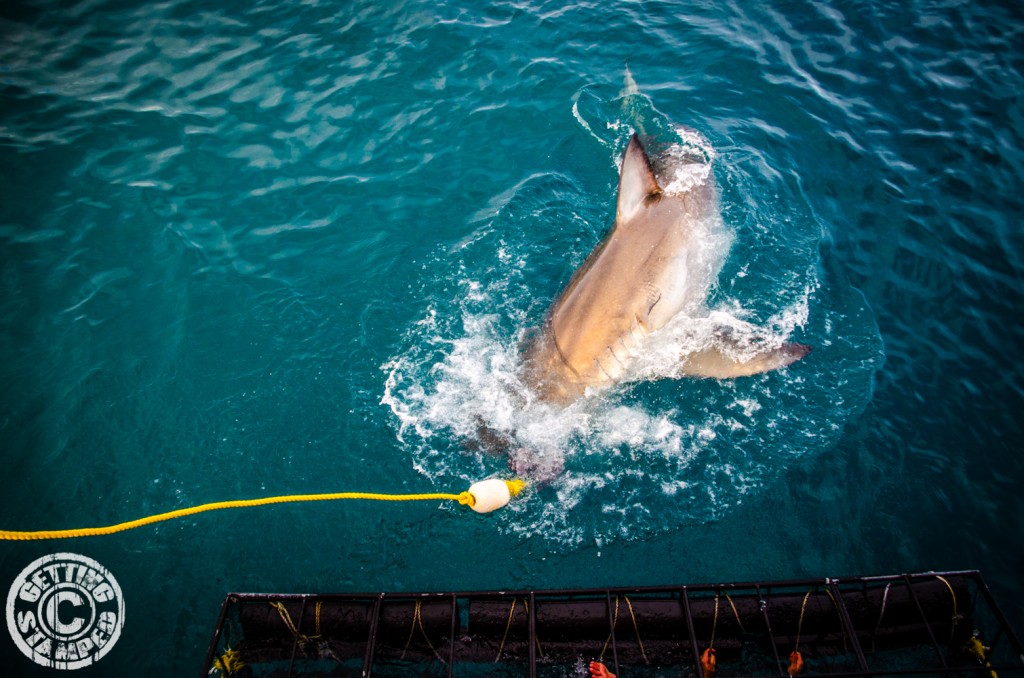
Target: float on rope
{"type": "Point", "coordinates": [483, 497]}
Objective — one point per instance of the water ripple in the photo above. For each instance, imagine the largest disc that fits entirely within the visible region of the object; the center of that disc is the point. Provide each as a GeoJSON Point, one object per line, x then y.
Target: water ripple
{"type": "Point", "coordinates": [218, 221]}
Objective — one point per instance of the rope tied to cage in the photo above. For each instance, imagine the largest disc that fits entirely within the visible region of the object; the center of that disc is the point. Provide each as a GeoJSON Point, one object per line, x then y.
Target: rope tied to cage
{"type": "Point", "coordinates": [842, 627]}
{"type": "Point", "coordinates": [286, 618]}
{"type": "Point", "coordinates": [508, 626]}
{"type": "Point", "coordinates": [980, 651]}
{"type": "Point", "coordinates": [796, 660]}
{"type": "Point", "coordinates": [881, 613]}
{"type": "Point", "coordinates": [417, 621]}
{"type": "Point", "coordinates": [708, 660]}
{"type": "Point", "coordinates": [307, 643]}
{"type": "Point", "coordinates": [636, 629]}
{"type": "Point", "coordinates": [228, 663]}
{"type": "Point", "coordinates": [956, 616]}
{"type": "Point", "coordinates": [735, 612]}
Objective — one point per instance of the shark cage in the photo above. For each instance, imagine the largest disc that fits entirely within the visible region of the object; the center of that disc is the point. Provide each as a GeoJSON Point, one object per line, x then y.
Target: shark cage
{"type": "Point", "coordinates": [933, 624]}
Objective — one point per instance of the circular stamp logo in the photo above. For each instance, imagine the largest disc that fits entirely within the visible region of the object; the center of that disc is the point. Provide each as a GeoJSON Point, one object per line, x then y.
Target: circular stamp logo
{"type": "Point", "coordinates": [65, 611]}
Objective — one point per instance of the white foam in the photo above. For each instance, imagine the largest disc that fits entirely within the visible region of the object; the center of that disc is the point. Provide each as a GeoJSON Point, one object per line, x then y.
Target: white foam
{"type": "Point", "coordinates": [689, 162]}
{"type": "Point", "coordinates": [458, 380]}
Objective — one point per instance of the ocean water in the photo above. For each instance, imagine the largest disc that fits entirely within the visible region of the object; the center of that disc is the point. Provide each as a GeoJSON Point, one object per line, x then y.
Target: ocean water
{"type": "Point", "coordinates": [250, 249]}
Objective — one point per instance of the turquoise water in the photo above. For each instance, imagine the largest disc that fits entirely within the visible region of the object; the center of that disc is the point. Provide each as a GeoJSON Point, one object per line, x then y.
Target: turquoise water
{"type": "Point", "coordinates": [268, 248]}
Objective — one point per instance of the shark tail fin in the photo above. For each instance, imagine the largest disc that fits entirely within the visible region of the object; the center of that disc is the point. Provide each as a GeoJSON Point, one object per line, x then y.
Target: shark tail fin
{"type": "Point", "coordinates": [629, 86]}
{"type": "Point", "coordinates": [633, 110]}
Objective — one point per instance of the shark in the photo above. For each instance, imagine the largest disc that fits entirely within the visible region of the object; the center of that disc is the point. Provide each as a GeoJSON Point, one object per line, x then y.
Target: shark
{"type": "Point", "coordinates": [633, 284]}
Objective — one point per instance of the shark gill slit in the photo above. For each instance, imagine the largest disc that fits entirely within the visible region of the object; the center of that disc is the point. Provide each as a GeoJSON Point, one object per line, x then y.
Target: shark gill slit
{"type": "Point", "coordinates": [561, 355]}
{"type": "Point", "coordinates": [612, 353]}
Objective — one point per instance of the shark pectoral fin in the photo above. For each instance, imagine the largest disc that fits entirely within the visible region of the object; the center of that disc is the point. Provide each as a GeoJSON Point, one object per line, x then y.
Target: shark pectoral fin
{"type": "Point", "coordinates": [715, 363]}
{"type": "Point", "coordinates": [636, 181]}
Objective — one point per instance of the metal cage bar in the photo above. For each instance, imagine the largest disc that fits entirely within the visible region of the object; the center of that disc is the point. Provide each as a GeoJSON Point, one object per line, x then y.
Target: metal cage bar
{"type": "Point", "coordinates": [371, 637]}
{"type": "Point", "coordinates": [532, 633]}
{"type": "Point", "coordinates": [451, 635]}
{"type": "Point", "coordinates": [221, 620]}
{"type": "Point", "coordinates": [610, 615]}
{"type": "Point", "coordinates": [924, 619]}
{"type": "Point", "coordinates": [684, 598]}
{"type": "Point", "coordinates": [295, 642]}
{"type": "Point", "coordinates": [762, 604]}
{"type": "Point", "coordinates": [1004, 625]}
{"type": "Point", "coordinates": [847, 624]}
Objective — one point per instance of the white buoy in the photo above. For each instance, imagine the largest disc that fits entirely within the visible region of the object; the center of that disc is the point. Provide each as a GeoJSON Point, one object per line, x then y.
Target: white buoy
{"type": "Point", "coordinates": [490, 494]}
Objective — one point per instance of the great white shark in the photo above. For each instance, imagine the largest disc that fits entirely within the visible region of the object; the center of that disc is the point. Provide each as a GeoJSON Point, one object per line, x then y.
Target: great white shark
{"type": "Point", "coordinates": [631, 286]}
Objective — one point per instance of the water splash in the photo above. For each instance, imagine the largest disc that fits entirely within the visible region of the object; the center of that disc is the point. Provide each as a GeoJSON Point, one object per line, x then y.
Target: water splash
{"type": "Point", "coordinates": [645, 456]}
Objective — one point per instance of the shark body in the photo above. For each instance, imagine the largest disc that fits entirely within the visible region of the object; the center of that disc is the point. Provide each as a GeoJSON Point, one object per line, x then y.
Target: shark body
{"type": "Point", "coordinates": [632, 284]}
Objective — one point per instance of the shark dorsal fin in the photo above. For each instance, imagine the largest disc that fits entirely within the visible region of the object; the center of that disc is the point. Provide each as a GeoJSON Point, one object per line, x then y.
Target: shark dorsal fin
{"type": "Point", "coordinates": [636, 181]}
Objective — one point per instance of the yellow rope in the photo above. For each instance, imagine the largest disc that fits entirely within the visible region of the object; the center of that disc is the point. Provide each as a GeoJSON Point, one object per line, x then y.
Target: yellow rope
{"type": "Point", "coordinates": [417, 620]}
{"type": "Point", "coordinates": [881, 613]}
{"type": "Point", "coordinates": [980, 652]}
{"type": "Point", "coordinates": [508, 625]}
{"type": "Point", "coordinates": [282, 611]}
{"type": "Point", "coordinates": [842, 627]}
{"type": "Point", "coordinates": [636, 630]}
{"type": "Point", "coordinates": [229, 663]}
{"type": "Point", "coordinates": [735, 612]}
{"type": "Point", "coordinates": [615, 620]}
{"type": "Point", "coordinates": [956, 617]}
{"type": "Point", "coordinates": [303, 640]}
{"type": "Point", "coordinates": [714, 624]}
{"type": "Point", "coordinates": [464, 498]}
{"type": "Point", "coordinates": [800, 622]}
